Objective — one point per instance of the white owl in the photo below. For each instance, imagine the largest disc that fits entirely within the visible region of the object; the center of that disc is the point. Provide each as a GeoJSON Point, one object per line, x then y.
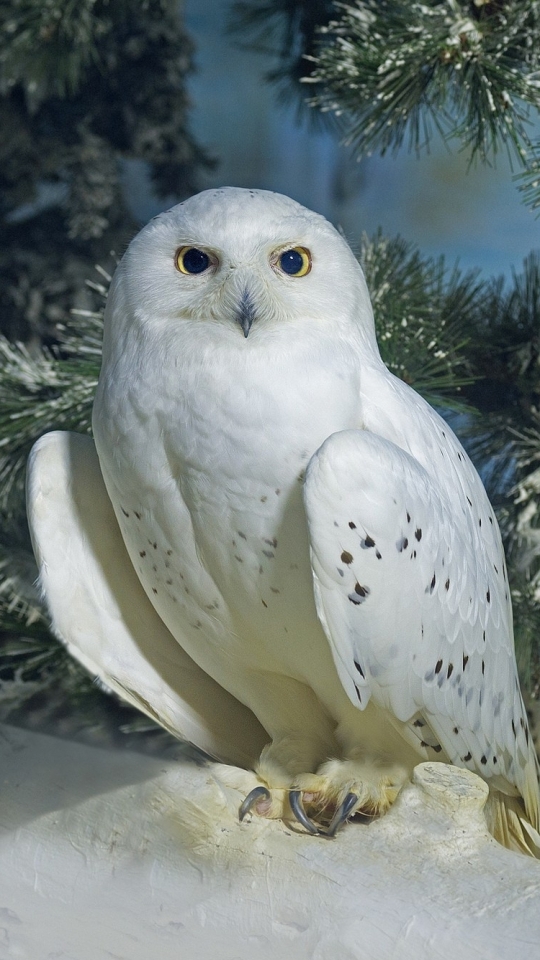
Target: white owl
{"type": "Point", "coordinates": [302, 574]}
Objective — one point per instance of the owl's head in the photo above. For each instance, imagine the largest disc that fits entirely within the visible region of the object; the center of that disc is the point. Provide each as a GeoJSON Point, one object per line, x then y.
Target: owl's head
{"type": "Point", "coordinates": [248, 262]}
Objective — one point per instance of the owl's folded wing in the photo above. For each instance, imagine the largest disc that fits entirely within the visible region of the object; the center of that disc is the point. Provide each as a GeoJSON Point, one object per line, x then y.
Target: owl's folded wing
{"type": "Point", "coordinates": [102, 614]}
{"type": "Point", "coordinates": [411, 591]}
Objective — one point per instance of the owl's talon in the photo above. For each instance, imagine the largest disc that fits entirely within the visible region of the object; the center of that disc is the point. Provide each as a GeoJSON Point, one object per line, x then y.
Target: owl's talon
{"type": "Point", "coordinates": [258, 793]}
{"type": "Point", "coordinates": [340, 816]}
{"type": "Point", "coordinates": [295, 800]}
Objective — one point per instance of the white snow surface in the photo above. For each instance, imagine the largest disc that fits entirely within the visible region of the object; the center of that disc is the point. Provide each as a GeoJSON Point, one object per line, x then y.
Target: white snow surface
{"type": "Point", "coordinates": [118, 856]}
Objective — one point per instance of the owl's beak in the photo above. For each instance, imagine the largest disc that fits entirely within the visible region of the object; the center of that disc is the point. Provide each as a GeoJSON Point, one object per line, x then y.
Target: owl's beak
{"type": "Point", "coordinates": [246, 312]}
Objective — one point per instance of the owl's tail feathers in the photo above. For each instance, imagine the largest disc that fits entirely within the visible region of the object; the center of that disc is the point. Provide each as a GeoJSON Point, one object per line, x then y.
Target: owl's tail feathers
{"type": "Point", "coordinates": [510, 825]}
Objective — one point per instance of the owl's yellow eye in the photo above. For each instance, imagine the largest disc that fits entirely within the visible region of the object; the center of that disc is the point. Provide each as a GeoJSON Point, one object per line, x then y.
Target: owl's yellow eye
{"type": "Point", "coordinates": [295, 262]}
{"type": "Point", "coordinates": [191, 260]}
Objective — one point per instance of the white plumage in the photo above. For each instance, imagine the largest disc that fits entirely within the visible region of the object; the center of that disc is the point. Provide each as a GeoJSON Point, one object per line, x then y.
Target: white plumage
{"type": "Point", "coordinates": [305, 526]}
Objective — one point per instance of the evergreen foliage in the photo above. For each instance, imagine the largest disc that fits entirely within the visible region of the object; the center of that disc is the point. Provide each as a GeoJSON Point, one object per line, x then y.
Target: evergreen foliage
{"type": "Point", "coordinates": [423, 315]}
{"type": "Point", "coordinates": [288, 28]}
{"type": "Point", "coordinates": [84, 87]}
{"type": "Point", "coordinates": [394, 72]}
{"type": "Point", "coordinates": [466, 68]}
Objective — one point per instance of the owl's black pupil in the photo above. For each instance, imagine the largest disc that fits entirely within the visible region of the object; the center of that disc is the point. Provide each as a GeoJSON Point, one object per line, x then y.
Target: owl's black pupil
{"type": "Point", "coordinates": [291, 261]}
{"type": "Point", "coordinates": [195, 261]}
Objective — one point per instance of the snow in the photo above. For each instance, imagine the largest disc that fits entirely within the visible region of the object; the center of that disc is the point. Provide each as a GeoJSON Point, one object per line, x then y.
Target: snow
{"type": "Point", "coordinates": [118, 855]}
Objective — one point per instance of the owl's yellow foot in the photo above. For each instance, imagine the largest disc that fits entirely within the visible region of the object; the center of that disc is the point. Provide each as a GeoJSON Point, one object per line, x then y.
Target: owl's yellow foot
{"type": "Point", "coordinates": [342, 788]}
{"type": "Point", "coordinates": [321, 802]}
{"type": "Point", "coordinates": [265, 796]}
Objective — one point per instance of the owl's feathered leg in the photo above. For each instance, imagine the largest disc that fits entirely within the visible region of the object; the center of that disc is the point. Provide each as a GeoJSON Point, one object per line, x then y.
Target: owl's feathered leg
{"type": "Point", "coordinates": [341, 788]}
{"type": "Point", "coordinates": [302, 738]}
{"type": "Point", "coordinates": [364, 776]}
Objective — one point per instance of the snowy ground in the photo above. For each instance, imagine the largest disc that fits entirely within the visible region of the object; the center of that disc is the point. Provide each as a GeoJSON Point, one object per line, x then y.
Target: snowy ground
{"type": "Point", "coordinates": [116, 855]}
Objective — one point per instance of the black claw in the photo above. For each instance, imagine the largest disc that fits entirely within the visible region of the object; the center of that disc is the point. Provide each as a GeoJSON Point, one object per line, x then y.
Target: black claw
{"type": "Point", "coordinates": [295, 800]}
{"type": "Point", "coordinates": [341, 815]}
{"type": "Point", "coordinates": [251, 800]}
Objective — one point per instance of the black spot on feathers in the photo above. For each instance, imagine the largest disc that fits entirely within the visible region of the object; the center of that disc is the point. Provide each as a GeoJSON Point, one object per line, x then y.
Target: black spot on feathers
{"type": "Point", "coordinates": [347, 557]}
{"type": "Point", "coordinates": [359, 595]}
{"type": "Point", "coordinates": [361, 591]}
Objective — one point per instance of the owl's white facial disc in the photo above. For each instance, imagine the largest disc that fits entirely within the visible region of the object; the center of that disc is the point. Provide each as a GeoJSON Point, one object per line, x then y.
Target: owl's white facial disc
{"type": "Point", "coordinates": [249, 262]}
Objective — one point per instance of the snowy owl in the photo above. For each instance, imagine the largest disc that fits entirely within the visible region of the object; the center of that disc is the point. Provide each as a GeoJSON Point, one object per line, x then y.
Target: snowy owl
{"type": "Point", "coordinates": [281, 552]}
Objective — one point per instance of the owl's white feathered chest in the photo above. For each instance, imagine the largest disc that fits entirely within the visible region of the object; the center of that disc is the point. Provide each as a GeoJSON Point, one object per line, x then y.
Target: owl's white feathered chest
{"type": "Point", "coordinates": [210, 468]}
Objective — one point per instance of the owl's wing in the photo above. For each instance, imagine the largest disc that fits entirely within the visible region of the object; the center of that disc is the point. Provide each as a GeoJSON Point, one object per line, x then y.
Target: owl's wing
{"type": "Point", "coordinates": [412, 594]}
{"type": "Point", "coordinates": [102, 614]}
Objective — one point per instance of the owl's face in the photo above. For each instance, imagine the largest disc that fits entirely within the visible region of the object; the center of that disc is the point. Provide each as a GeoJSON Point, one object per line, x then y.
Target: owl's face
{"type": "Point", "coordinates": [246, 262]}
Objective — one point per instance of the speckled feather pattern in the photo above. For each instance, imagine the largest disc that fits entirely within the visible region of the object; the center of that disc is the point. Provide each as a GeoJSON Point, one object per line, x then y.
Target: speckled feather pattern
{"type": "Point", "coordinates": [397, 560]}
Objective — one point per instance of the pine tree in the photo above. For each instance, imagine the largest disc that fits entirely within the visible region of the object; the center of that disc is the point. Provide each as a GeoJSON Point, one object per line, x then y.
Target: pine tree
{"type": "Point", "coordinates": [83, 88]}
{"type": "Point", "coordinates": [393, 72]}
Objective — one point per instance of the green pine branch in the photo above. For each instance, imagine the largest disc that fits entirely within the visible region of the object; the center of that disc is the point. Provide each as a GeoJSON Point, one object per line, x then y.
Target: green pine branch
{"type": "Point", "coordinates": [423, 315]}
{"type": "Point", "coordinates": [43, 391]}
{"type": "Point", "coordinates": [398, 71]}
{"type": "Point", "coordinates": [390, 72]}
